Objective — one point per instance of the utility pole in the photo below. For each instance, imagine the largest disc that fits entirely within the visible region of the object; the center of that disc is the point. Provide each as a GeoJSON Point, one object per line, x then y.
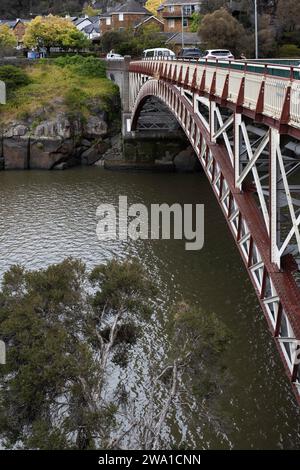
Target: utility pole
{"type": "Point", "coordinates": [256, 29]}
{"type": "Point", "coordinates": [182, 37]}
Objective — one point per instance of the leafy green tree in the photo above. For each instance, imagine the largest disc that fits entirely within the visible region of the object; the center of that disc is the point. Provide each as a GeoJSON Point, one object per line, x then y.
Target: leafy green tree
{"type": "Point", "coordinates": [221, 30]}
{"type": "Point", "coordinates": [65, 329]}
{"type": "Point", "coordinates": [195, 347]}
{"type": "Point", "coordinates": [289, 51]}
{"type": "Point", "coordinates": [89, 10]}
{"type": "Point", "coordinates": [59, 342]}
{"type": "Point", "coordinates": [288, 15]}
{"type": "Point", "coordinates": [53, 31]}
{"type": "Point", "coordinates": [195, 22]}
{"type": "Point", "coordinates": [7, 37]}
{"type": "Point", "coordinates": [23, 8]}
{"type": "Point", "coordinates": [132, 43]}
{"type": "Point", "coordinates": [14, 77]}
{"type": "Point", "coordinates": [75, 40]}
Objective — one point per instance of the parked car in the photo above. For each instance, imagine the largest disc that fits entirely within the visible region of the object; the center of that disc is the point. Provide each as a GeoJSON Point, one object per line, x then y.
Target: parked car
{"type": "Point", "coordinates": [190, 53]}
{"type": "Point", "coordinates": [113, 56]}
{"type": "Point", "coordinates": [213, 54]}
{"type": "Point", "coordinates": [158, 52]}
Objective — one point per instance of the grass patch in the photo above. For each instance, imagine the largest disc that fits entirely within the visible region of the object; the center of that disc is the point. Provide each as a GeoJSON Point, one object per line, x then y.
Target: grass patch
{"type": "Point", "coordinates": [83, 66]}
{"type": "Point", "coordinates": [53, 88]}
{"type": "Point", "coordinates": [14, 77]}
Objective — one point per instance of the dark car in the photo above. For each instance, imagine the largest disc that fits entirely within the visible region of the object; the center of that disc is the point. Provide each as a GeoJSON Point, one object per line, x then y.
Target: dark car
{"type": "Point", "coordinates": [190, 53]}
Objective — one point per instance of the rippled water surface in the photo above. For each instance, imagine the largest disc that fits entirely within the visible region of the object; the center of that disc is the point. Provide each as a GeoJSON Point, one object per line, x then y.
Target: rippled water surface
{"type": "Point", "coordinates": [46, 216]}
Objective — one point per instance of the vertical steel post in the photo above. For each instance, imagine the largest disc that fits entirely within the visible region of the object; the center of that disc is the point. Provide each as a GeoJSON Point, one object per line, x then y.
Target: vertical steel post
{"type": "Point", "coordinates": [273, 188]}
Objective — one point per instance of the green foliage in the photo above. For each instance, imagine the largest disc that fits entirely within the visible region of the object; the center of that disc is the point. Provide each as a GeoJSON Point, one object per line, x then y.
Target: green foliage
{"type": "Point", "coordinates": [122, 287]}
{"type": "Point", "coordinates": [7, 37]}
{"type": "Point", "coordinates": [289, 51]}
{"type": "Point", "coordinates": [221, 30]}
{"type": "Point", "coordinates": [14, 77]}
{"type": "Point", "coordinates": [49, 82]}
{"type": "Point", "coordinates": [76, 99]}
{"type": "Point", "coordinates": [129, 43]}
{"type": "Point", "coordinates": [195, 22]}
{"type": "Point", "coordinates": [54, 31]}
{"type": "Point", "coordinates": [90, 11]}
{"type": "Point", "coordinates": [59, 340]}
{"type": "Point", "coordinates": [203, 338]}
{"type": "Point", "coordinates": [85, 66]}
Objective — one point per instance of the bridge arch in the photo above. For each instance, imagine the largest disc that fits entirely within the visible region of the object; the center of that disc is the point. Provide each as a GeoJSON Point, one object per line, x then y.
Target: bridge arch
{"type": "Point", "coordinates": [229, 157]}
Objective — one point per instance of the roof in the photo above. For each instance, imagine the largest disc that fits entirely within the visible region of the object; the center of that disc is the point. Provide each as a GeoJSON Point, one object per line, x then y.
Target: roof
{"type": "Point", "coordinates": [94, 19]}
{"type": "Point", "coordinates": [131, 6]}
{"type": "Point", "coordinates": [147, 19]}
{"type": "Point", "coordinates": [13, 23]}
{"type": "Point", "coordinates": [188, 38]}
{"type": "Point", "coordinates": [90, 28]}
{"type": "Point", "coordinates": [81, 20]}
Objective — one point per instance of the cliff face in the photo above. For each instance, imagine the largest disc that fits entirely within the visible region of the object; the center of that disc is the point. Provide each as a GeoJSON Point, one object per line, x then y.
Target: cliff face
{"type": "Point", "coordinates": [57, 143]}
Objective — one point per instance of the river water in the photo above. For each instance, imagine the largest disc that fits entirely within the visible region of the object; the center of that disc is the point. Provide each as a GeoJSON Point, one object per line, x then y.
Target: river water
{"type": "Point", "coordinates": [47, 216]}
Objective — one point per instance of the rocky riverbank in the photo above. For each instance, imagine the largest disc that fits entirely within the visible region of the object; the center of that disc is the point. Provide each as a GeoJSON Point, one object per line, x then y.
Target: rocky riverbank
{"type": "Point", "coordinates": [57, 143]}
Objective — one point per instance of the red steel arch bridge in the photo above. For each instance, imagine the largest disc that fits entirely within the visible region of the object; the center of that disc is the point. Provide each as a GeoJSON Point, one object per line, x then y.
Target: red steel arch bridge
{"type": "Point", "coordinates": [243, 121]}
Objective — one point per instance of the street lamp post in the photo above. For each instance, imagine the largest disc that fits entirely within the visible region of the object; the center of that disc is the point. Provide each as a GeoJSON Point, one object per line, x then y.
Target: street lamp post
{"type": "Point", "coordinates": [256, 29]}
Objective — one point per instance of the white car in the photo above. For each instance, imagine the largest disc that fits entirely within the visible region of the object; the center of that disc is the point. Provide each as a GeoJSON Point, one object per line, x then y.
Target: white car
{"type": "Point", "coordinates": [213, 54]}
{"type": "Point", "coordinates": [158, 52]}
{"type": "Point", "coordinates": [114, 56]}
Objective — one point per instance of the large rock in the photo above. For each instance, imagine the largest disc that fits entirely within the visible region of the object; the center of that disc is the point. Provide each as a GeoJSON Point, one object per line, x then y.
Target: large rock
{"type": "Point", "coordinates": [16, 153]}
{"type": "Point", "coordinates": [186, 160]}
{"type": "Point", "coordinates": [15, 130]}
{"type": "Point", "coordinates": [46, 153]}
{"type": "Point", "coordinates": [95, 127]}
{"type": "Point", "coordinates": [94, 153]}
{"type": "Point", "coordinates": [60, 127]}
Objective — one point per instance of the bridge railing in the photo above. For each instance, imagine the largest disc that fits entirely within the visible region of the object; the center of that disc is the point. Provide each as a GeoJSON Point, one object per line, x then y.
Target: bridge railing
{"type": "Point", "coordinates": [268, 89]}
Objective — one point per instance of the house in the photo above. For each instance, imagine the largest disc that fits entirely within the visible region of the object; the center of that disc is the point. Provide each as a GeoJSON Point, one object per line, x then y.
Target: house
{"type": "Point", "coordinates": [176, 14]}
{"type": "Point", "coordinates": [128, 15]}
{"type": "Point", "coordinates": [92, 31]}
{"type": "Point", "coordinates": [151, 20]}
{"type": "Point", "coordinates": [18, 26]}
{"type": "Point", "coordinates": [176, 41]}
{"type": "Point", "coordinates": [82, 22]}
{"type": "Point", "coordinates": [88, 25]}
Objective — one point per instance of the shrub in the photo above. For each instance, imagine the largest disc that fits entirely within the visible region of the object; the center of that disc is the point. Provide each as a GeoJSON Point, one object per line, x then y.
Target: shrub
{"type": "Point", "coordinates": [289, 50]}
{"type": "Point", "coordinates": [86, 66]}
{"type": "Point", "coordinates": [76, 99]}
{"type": "Point", "coordinates": [14, 77]}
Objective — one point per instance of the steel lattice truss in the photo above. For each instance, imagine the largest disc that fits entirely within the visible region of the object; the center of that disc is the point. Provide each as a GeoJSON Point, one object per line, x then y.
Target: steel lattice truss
{"type": "Point", "coordinates": [244, 130]}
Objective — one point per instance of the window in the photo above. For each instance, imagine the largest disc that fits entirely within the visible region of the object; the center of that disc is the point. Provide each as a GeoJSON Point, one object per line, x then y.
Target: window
{"type": "Point", "coordinates": [171, 8]}
{"type": "Point", "coordinates": [121, 29]}
{"type": "Point", "coordinates": [171, 23]}
{"type": "Point", "coordinates": [121, 17]}
{"type": "Point", "coordinates": [108, 21]}
{"type": "Point", "coordinates": [185, 22]}
{"type": "Point", "coordinates": [188, 9]}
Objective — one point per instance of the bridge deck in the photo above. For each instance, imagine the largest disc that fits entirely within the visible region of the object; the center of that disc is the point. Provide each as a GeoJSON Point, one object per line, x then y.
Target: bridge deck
{"type": "Point", "coordinates": [267, 92]}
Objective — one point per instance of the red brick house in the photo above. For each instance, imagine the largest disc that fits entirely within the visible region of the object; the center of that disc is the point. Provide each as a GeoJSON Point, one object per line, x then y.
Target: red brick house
{"type": "Point", "coordinates": [18, 27]}
{"type": "Point", "coordinates": [125, 16]}
{"type": "Point", "coordinates": [176, 14]}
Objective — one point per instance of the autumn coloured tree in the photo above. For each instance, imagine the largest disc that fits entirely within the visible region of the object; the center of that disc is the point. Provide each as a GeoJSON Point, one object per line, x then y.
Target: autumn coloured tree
{"type": "Point", "coordinates": [7, 37]}
{"type": "Point", "coordinates": [53, 31]}
{"type": "Point", "coordinates": [152, 5]}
